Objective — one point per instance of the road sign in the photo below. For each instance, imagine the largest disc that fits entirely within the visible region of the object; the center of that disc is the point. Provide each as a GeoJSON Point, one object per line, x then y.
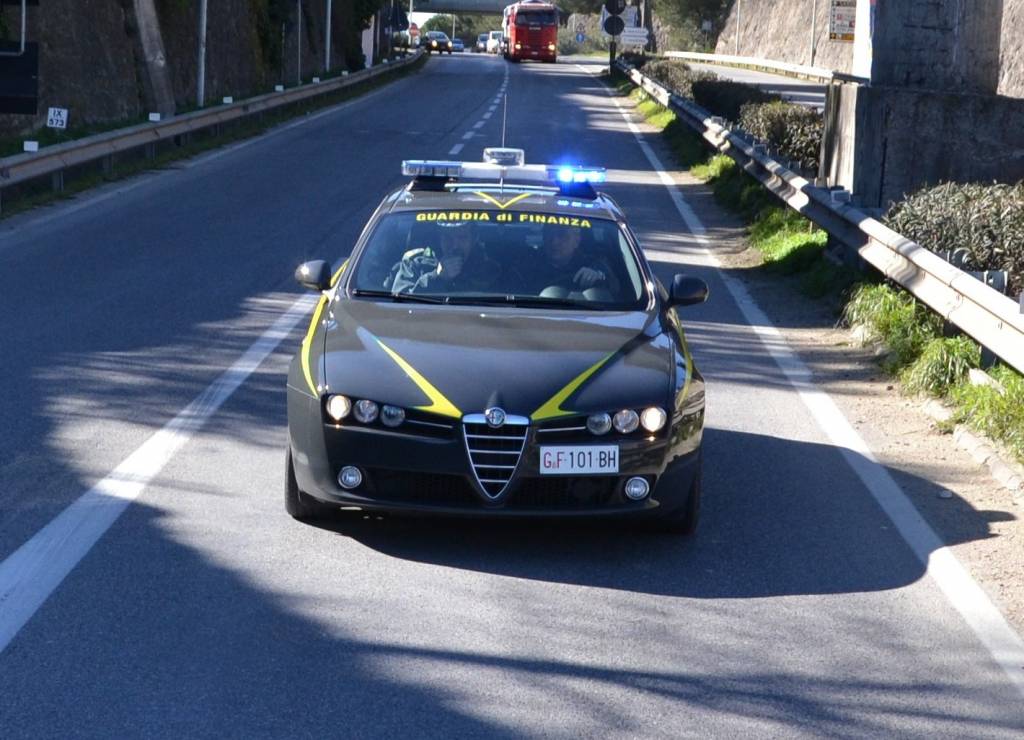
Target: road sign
{"type": "Point", "coordinates": [613, 25]}
{"type": "Point", "coordinates": [57, 118]}
{"type": "Point", "coordinates": [633, 37]}
{"type": "Point", "coordinates": [580, 38]}
{"type": "Point", "coordinates": [707, 26]}
{"type": "Point", "coordinates": [842, 20]}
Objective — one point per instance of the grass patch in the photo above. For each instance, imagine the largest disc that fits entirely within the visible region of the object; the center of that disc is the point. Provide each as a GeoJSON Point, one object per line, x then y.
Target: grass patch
{"type": "Point", "coordinates": [20, 198]}
{"type": "Point", "coordinates": [997, 413]}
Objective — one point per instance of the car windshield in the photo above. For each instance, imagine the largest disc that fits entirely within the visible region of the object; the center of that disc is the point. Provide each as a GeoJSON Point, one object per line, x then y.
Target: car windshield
{"type": "Point", "coordinates": [501, 257]}
{"type": "Point", "coordinates": [437, 35]}
{"type": "Point", "coordinates": [536, 18]}
{"type": "Point", "coordinates": [495, 34]}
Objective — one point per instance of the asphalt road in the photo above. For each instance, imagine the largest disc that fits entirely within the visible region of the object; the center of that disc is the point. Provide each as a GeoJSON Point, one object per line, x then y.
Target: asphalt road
{"type": "Point", "coordinates": [798, 609]}
{"type": "Point", "coordinates": [804, 92]}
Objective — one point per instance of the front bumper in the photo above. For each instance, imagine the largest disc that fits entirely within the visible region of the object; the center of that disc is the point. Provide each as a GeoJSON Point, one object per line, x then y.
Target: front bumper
{"type": "Point", "coordinates": [426, 470]}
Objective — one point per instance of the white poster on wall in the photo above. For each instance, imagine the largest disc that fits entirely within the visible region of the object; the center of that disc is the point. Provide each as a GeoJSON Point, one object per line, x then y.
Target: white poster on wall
{"type": "Point", "coordinates": [842, 20]}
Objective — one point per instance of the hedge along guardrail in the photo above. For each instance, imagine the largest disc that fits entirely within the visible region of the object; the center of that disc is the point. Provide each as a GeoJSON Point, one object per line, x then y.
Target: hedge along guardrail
{"type": "Point", "coordinates": [767, 65]}
{"type": "Point", "coordinates": [54, 160]}
{"type": "Point", "coordinates": [992, 319]}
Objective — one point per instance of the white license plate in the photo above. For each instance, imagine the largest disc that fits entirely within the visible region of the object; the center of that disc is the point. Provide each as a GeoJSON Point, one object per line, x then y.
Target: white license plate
{"type": "Point", "coordinates": [579, 460]}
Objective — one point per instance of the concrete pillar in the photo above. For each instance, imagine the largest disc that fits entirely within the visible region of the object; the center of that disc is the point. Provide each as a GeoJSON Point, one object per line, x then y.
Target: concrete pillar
{"type": "Point", "coordinates": [950, 45]}
{"type": "Point", "coordinates": [930, 113]}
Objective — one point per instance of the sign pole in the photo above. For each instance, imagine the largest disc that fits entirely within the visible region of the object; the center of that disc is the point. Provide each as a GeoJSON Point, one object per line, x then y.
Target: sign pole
{"type": "Point", "coordinates": [298, 38]}
{"type": "Point", "coordinates": [327, 40]}
{"type": "Point", "coordinates": [201, 66]}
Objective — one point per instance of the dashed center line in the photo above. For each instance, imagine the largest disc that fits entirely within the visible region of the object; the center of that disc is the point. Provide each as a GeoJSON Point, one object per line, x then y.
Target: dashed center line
{"type": "Point", "coordinates": [456, 149]}
{"type": "Point", "coordinates": [478, 124]}
{"type": "Point", "coordinates": [467, 136]}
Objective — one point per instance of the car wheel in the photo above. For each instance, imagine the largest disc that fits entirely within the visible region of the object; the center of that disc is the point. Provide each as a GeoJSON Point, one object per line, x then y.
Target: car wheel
{"type": "Point", "coordinates": [682, 521]}
{"type": "Point", "coordinates": [299, 505]}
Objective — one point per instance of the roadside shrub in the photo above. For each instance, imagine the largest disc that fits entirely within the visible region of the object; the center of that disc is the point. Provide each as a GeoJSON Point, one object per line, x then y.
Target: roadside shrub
{"type": "Point", "coordinates": [726, 98]}
{"type": "Point", "coordinates": [986, 220]}
{"type": "Point", "coordinates": [943, 363]}
{"type": "Point", "coordinates": [793, 130]}
{"type": "Point", "coordinates": [676, 75]}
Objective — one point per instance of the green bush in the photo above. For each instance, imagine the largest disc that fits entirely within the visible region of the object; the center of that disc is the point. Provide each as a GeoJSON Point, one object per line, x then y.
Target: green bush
{"type": "Point", "coordinates": [986, 220]}
{"type": "Point", "coordinates": [793, 130]}
{"type": "Point", "coordinates": [676, 76]}
{"type": "Point", "coordinates": [726, 98]}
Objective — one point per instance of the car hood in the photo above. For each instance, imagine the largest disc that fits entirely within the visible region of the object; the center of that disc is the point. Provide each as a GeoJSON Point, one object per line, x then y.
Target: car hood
{"type": "Point", "coordinates": [456, 360]}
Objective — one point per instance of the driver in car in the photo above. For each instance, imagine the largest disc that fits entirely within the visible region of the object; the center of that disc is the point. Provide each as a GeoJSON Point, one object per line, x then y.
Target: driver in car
{"type": "Point", "coordinates": [458, 265]}
{"type": "Point", "coordinates": [564, 264]}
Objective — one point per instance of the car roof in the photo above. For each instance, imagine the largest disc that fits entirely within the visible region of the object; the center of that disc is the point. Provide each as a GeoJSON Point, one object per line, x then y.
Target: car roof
{"type": "Point", "coordinates": [510, 197]}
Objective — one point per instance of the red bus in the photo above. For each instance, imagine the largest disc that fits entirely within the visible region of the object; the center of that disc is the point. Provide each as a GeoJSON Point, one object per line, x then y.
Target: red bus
{"type": "Point", "coordinates": [531, 31]}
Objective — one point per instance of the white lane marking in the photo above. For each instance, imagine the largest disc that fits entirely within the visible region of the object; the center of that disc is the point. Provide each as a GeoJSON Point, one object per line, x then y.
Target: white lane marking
{"type": "Point", "coordinates": [961, 590]}
{"type": "Point", "coordinates": [34, 571]}
{"type": "Point", "coordinates": [492, 108]}
{"type": "Point", "coordinates": [456, 149]}
{"type": "Point", "coordinates": [478, 124]}
{"type": "Point", "coordinates": [487, 115]}
{"type": "Point", "coordinates": [467, 136]}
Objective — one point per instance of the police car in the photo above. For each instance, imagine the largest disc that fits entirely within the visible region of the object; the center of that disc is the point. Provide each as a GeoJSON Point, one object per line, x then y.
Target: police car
{"type": "Point", "coordinates": [496, 345]}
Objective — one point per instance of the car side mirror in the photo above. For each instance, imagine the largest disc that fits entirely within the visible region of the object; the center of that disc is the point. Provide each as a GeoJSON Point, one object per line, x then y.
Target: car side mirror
{"type": "Point", "coordinates": [314, 275]}
{"type": "Point", "coordinates": [687, 291]}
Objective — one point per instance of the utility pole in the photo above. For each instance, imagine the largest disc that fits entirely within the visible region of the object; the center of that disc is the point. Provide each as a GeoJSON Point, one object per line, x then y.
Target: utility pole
{"type": "Point", "coordinates": [298, 37]}
{"type": "Point", "coordinates": [201, 66]}
{"type": "Point", "coordinates": [739, 9]}
{"type": "Point", "coordinates": [327, 41]}
{"type": "Point", "coordinates": [814, 29]}
{"type": "Point", "coordinates": [453, 25]}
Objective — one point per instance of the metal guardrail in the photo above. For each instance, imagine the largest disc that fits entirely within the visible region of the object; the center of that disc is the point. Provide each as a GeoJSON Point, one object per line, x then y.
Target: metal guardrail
{"type": "Point", "coordinates": [54, 160]}
{"type": "Point", "coordinates": [768, 65]}
{"type": "Point", "coordinates": [991, 318]}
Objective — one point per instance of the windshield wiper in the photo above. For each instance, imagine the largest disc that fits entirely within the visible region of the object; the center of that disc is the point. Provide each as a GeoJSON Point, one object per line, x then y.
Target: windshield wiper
{"type": "Point", "coordinates": [409, 297]}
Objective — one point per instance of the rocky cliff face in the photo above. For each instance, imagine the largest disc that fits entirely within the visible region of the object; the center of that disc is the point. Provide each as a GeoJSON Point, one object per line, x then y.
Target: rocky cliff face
{"type": "Point", "coordinates": [86, 61]}
{"type": "Point", "coordinates": [1011, 50]}
{"type": "Point", "coordinates": [92, 63]}
{"type": "Point", "coordinates": [781, 30]}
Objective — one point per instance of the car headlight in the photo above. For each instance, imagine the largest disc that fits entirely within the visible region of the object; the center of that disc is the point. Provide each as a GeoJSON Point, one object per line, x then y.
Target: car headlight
{"type": "Point", "coordinates": [551, 47]}
{"type": "Point", "coordinates": [625, 421]}
{"type": "Point", "coordinates": [366, 411]}
{"type": "Point", "coordinates": [392, 416]}
{"type": "Point", "coordinates": [653, 418]}
{"type": "Point", "coordinates": [434, 44]}
{"type": "Point", "coordinates": [449, 44]}
{"type": "Point", "coordinates": [599, 423]}
{"type": "Point", "coordinates": [338, 407]}
{"type": "Point", "coordinates": [518, 45]}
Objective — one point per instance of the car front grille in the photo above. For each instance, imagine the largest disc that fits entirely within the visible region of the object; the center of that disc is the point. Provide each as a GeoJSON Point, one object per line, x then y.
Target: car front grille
{"type": "Point", "coordinates": [494, 453]}
{"type": "Point", "coordinates": [565, 494]}
{"type": "Point", "coordinates": [421, 489]}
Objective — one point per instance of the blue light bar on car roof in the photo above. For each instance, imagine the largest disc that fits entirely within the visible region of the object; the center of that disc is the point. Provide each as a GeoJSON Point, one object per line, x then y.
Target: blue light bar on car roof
{"type": "Point", "coordinates": [504, 164]}
{"type": "Point", "coordinates": [565, 173]}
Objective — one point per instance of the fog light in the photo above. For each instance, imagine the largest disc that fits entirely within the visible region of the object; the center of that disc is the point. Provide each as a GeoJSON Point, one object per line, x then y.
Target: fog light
{"type": "Point", "coordinates": [653, 418]}
{"type": "Point", "coordinates": [350, 477]}
{"type": "Point", "coordinates": [637, 488]}
{"type": "Point", "coordinates": [338, 407]}
{"type": "Point", "coordinates": [392, 416]}
{"type": "Point", "coordinates": [625, 421]}
{"type": "Point", "coordinates": [366, 411]}
{"type": "Point", "coordinates": [599, 423]}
